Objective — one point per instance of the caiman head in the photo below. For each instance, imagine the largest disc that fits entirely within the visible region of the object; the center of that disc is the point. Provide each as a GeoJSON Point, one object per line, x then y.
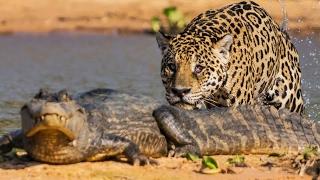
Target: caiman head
{"type": "Point", "coordinates": [54, 127]}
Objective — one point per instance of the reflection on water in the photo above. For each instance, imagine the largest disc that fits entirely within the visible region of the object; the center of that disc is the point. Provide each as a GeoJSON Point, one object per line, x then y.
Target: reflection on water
{"type": "Point", "coordinates": [83, 62]}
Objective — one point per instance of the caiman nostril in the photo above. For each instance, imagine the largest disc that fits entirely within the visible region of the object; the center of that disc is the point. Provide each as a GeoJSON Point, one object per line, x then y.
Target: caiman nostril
{"type": "Point", "coordinates": [180, 92]}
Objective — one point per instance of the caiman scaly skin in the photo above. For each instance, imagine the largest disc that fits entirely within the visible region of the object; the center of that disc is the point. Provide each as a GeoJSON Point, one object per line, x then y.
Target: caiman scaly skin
{"type": "Point", "coordinates": [243, 130]}
{"type": "Point", "coordinates": [92, 126]}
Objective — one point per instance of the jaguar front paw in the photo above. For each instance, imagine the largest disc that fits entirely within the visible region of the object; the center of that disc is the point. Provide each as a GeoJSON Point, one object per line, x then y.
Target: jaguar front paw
{"type": "Point", "coordinates": [268, 98]}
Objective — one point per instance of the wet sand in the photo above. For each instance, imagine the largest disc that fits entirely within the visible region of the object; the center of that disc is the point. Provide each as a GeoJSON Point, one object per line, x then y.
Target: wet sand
{"type": "Point", "coordinates": [129, 16]}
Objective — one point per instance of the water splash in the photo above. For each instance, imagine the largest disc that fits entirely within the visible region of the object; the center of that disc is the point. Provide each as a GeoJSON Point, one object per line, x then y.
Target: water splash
{"type": "Point", "coordinates": [285, 20]}
{"type": "Point", "coordinates": [308, 48]}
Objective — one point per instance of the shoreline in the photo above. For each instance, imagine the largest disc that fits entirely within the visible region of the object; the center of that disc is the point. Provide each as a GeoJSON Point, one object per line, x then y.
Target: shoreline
{"type": "Point", "coordinates": [130, 16]}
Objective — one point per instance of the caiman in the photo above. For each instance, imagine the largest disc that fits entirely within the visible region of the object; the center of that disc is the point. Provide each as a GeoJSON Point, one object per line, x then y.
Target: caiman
{"type": "Point", "coordinates": [243, 130]}
{"type": "Point", "coordinates": [105, 123]}
{"type": "Point", "coordinates": [91, 126]}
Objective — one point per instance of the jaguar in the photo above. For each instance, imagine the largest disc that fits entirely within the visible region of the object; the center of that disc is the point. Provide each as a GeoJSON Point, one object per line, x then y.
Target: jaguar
{"type": "Point", "coordinates": [231, 56]}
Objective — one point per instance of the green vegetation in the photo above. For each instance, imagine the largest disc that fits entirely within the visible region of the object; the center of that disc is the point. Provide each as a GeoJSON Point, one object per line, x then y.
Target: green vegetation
{"type": "Point", "coordinates": [209, 162]}
{"type": "Point", "coordinates": [310, 152]}
{"type": "Point", "coordinates": [209, 165]}
{"type": "Point", "coordinates": [155, 24]}
{"type": "Point", "coordinates": [192, 157]}
{"type": "Point", "coordinates": [175, 18]}
{"type": "Point", "coordinates": [237, 160]}
{"type": "Point", "coordinates": [174, 21]}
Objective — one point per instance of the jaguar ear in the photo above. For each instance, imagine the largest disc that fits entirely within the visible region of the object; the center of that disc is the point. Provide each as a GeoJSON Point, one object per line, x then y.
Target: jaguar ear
{"type": "Point", "coordinates": [224, 45]}
{"type": "Point", "coordinates": [163, 41]}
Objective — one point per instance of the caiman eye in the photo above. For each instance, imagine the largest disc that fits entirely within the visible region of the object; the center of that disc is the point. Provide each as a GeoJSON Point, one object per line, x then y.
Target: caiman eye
{"type": "Point", "coordinates": [198, 69]}
{"type": "Point", "coordinates": [42, 94]}
{"type": "Point", "coordinates": [63, 96]}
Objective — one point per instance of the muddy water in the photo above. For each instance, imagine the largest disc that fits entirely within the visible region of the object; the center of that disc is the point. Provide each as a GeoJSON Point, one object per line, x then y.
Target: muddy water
{"type": "Point", "coordinates": [80, 62]}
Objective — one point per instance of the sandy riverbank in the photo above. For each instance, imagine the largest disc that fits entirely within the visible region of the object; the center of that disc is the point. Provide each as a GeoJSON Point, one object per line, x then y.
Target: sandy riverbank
{"type": "Point", "coordinates": [129, 16]}
{"type": "Point", "coordinates": [168, 168]}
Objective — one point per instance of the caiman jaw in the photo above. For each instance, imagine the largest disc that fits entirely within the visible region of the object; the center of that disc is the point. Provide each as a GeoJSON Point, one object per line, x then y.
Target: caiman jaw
{"type": "Point", "coordinates": [52, 122]}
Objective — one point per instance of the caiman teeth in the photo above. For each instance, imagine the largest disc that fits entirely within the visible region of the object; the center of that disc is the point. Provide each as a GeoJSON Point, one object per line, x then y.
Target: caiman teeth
{"type": "Point", "coordinates": [62, 118]}
{"type": "Point", "coordinates": [50, 117]}
{"type": "Point", "coordinates": [53, 122]}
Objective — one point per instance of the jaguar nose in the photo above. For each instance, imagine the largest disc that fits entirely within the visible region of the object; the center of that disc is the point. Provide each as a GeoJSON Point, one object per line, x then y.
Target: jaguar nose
{"type": "Point", "coordinates": [180, 91]}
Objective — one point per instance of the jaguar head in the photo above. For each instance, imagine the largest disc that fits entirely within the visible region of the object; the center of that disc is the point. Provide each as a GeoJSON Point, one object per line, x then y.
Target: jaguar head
{"type": "Point", "coordinates": [193, 68]}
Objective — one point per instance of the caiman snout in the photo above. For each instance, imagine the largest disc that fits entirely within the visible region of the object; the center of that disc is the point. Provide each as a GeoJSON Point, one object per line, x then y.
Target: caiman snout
{"type": "Point", "coordinates": [51, 122]}
{"type": "Point", "coordinates": [44, 116]}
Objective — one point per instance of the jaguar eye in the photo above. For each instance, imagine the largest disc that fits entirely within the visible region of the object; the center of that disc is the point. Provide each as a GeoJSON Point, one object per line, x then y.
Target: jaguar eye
{"type": "Point", "coordinates": [198, 69]}
{"type": "Point", "coordinates": [171, 66]}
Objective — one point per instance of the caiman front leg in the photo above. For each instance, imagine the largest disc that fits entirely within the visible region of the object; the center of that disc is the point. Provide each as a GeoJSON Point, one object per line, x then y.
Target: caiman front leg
{"type": "Point", "coordinates": [10, 141]}
{"type": "Point", "coordinates": [175, 133]}
{"type": "Point", "coordinates": [111, 145]}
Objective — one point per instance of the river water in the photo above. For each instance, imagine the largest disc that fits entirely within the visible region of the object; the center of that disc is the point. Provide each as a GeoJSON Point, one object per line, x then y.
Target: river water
{"type": "Point", "coordinates": [80, 62]}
